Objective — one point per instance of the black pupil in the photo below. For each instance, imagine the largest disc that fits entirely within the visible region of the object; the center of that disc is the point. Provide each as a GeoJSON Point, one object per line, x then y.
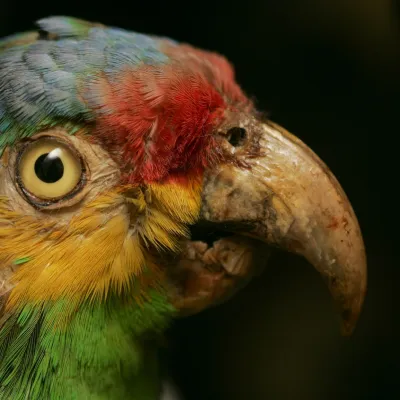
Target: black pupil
{"type": "Point", "coordinates": [236, 136]}
{"type": "Point", "coordinates": [49, 168]}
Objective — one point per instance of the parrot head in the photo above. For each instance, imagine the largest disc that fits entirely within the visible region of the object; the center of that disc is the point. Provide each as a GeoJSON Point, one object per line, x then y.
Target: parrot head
{"type": "Point", "coordinates": [132, 162]}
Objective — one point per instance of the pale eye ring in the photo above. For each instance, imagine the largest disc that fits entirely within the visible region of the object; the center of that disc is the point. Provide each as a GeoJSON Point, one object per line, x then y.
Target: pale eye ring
{"type": "Point", "coordinates": [49, 170]}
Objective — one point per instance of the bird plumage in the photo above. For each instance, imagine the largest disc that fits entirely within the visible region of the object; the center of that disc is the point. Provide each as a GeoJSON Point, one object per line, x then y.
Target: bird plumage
{"type": "Point", "coordinates": [83, 293]}
{"type": "Point", "coordinates": [130, 86]}
{"type": "Point", "coordinates": [114, 148]}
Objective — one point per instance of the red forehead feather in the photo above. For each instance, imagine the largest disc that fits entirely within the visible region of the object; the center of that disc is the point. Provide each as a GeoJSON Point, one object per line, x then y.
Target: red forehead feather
{"type": "Point", "coordinates": [158, 121]}
{"type": "Point", "coordinates": [216, 68]}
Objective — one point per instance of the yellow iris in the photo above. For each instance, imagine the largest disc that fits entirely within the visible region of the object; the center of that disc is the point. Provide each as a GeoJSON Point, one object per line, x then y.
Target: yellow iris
{"type": "Point", "coordinates": [49, 169]}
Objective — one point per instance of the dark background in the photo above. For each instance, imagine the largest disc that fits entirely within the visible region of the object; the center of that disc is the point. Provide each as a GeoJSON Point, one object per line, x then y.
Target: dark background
{"type": "Point", "coordinates": [327, 70]}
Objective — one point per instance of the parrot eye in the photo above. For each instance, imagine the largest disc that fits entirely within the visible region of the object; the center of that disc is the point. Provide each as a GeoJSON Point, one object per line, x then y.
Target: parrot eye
{"type": "Point", "coordinates": [49, 170]}
{"type": "Point", "coordinates": [236, 136]}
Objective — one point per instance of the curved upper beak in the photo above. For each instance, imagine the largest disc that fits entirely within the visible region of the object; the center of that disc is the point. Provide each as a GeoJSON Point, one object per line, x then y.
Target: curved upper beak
{"type": "Point", "coordinates": [287, 197]}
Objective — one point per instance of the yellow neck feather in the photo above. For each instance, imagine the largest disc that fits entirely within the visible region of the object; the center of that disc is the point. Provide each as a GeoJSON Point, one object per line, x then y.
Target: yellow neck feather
{"type": "Point", "coordinates": [103, 248]}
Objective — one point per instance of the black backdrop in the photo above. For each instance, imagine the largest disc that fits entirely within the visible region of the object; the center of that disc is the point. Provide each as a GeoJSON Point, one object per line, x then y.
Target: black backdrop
{"type": "Point", "coordinates": [329, 72]}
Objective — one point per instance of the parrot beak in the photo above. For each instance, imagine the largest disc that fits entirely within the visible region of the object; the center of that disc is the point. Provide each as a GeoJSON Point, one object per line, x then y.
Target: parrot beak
{"type": "Point", "coordinates": [285, 196]}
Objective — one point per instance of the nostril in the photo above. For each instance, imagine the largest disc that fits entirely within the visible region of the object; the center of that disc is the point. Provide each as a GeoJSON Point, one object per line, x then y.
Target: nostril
{"type": "Point", "coordinates": [236, 136]}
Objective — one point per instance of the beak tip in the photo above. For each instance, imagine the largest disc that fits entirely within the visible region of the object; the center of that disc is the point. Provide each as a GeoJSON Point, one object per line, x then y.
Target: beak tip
{"type": "Point", "coordinates": [350, 316]}
{"type": "Point", "coordinates": [348, 323]}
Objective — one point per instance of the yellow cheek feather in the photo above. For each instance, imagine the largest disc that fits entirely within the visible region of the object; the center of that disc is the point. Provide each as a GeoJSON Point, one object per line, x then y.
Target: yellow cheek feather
{"type": "Point", "coordinates": [103, 249]}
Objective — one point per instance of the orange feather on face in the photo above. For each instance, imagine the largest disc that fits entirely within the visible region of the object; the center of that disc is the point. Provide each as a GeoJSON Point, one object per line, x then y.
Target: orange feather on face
{"type": "Point", "coordinates": [101, 249]}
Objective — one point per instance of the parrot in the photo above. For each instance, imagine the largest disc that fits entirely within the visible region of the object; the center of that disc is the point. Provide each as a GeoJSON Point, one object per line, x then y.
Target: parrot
{"type": "Point", "coordinates": [139, 184]}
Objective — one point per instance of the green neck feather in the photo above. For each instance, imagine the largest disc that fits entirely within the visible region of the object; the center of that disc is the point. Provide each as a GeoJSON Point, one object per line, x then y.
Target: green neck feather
{"type": "Point", "coordinates": [94, 352]}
